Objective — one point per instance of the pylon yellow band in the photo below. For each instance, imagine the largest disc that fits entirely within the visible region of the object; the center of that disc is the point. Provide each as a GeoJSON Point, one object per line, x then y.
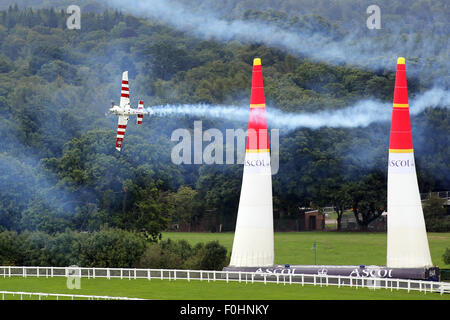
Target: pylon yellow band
{"type": "Point", "coordinates": [257, 62]}
{"type": "Point", "coordinates": [401, 150]}
{"type": "Point", "coordinates": [263, 105]}
{"type": "Point", "coordinates": [400, 105]}
{"type": "Point", "coordinates": [257, 150]}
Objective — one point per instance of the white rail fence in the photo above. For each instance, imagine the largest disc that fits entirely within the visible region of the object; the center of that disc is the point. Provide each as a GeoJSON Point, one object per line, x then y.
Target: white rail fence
{"type": "Point", "coordinates": [211, 275]}
{"type": "Point", "coordinates": [439, 194]}
{"type": "Point", "coordinates": [58, 296]}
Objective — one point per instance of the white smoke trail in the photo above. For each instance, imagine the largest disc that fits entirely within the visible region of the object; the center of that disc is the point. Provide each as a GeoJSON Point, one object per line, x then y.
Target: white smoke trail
{"type": "Point", "coordinates": [373, 53]}
{"type": "Point", "coordinates": [362, 114]}
{"type": "Point", "coordinates": [433, 97]}
{"type": "Point", "coordinates": [379, 53]}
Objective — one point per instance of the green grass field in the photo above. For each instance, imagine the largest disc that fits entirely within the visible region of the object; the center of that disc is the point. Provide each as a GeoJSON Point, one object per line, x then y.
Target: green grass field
{"type": "Point", "coordinates": [196, 290]}
{"type": "Point", "coordinates": [294, 248]}
{"type": "Point", "coordinates": [333, 248]}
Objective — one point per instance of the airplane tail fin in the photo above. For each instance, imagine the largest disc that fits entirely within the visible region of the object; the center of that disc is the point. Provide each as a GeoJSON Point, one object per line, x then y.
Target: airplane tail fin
{"type": "Point", "coordinates": [140, 116]}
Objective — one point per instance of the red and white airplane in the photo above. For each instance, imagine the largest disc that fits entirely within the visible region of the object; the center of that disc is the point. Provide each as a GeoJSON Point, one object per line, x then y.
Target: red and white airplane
{"type": "Point", "coordinates": [124, 111]}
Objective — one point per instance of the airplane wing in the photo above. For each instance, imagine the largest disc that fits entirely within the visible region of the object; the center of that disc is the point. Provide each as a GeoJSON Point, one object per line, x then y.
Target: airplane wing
{"type": "Point", "coordinates": [121, 127]}
{"type": "Point", "coordinates": [125, 92]}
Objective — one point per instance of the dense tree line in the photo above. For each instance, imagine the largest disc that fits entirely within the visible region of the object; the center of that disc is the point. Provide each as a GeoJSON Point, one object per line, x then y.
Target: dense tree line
{"type": "Point", "coordinates": [113, 248]}
{"type": "Point", "coordinates": [60, 169]}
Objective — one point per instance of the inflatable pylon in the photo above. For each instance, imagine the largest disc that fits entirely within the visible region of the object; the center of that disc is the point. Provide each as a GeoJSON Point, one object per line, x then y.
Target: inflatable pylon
{"type": "Point", "coordinates": [253, 238]}
{"type": "Point", "coordinates": [407, 242]}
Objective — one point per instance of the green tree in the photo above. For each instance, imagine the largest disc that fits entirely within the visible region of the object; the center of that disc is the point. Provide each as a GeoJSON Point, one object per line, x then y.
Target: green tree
{"type": "Point", "coordinates": [335, 193]}
{"type": "Point", "coordinates": [368, 199]}
{"type": "Point", "coordinates": [435, 216]}
{"type": "Point", "coordinates": [183, 205]}
{"type": "Point", "coordinates": [10, 251]}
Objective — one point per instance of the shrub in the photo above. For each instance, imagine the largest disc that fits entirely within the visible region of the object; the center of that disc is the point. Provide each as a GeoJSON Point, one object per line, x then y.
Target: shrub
{"type": "Point", "coordinates": [112, 248]}
{"type": "Point", "coordinates": [213, 256]}
{"type": "Point", "coordinates": [181, 255]}
{"type": "Point", "coordinates": [446, 256]}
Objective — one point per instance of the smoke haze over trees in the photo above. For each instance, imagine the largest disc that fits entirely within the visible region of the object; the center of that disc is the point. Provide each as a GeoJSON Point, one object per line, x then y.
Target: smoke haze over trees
{"type": "Point", "coordinates": [60, 169]}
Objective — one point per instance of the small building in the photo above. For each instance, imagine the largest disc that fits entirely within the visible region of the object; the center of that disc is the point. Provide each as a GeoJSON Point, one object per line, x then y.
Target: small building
{"type": "Point", "coordinates": [314, 221]}
{"type": "Point", "coordinates": [306, 219]}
